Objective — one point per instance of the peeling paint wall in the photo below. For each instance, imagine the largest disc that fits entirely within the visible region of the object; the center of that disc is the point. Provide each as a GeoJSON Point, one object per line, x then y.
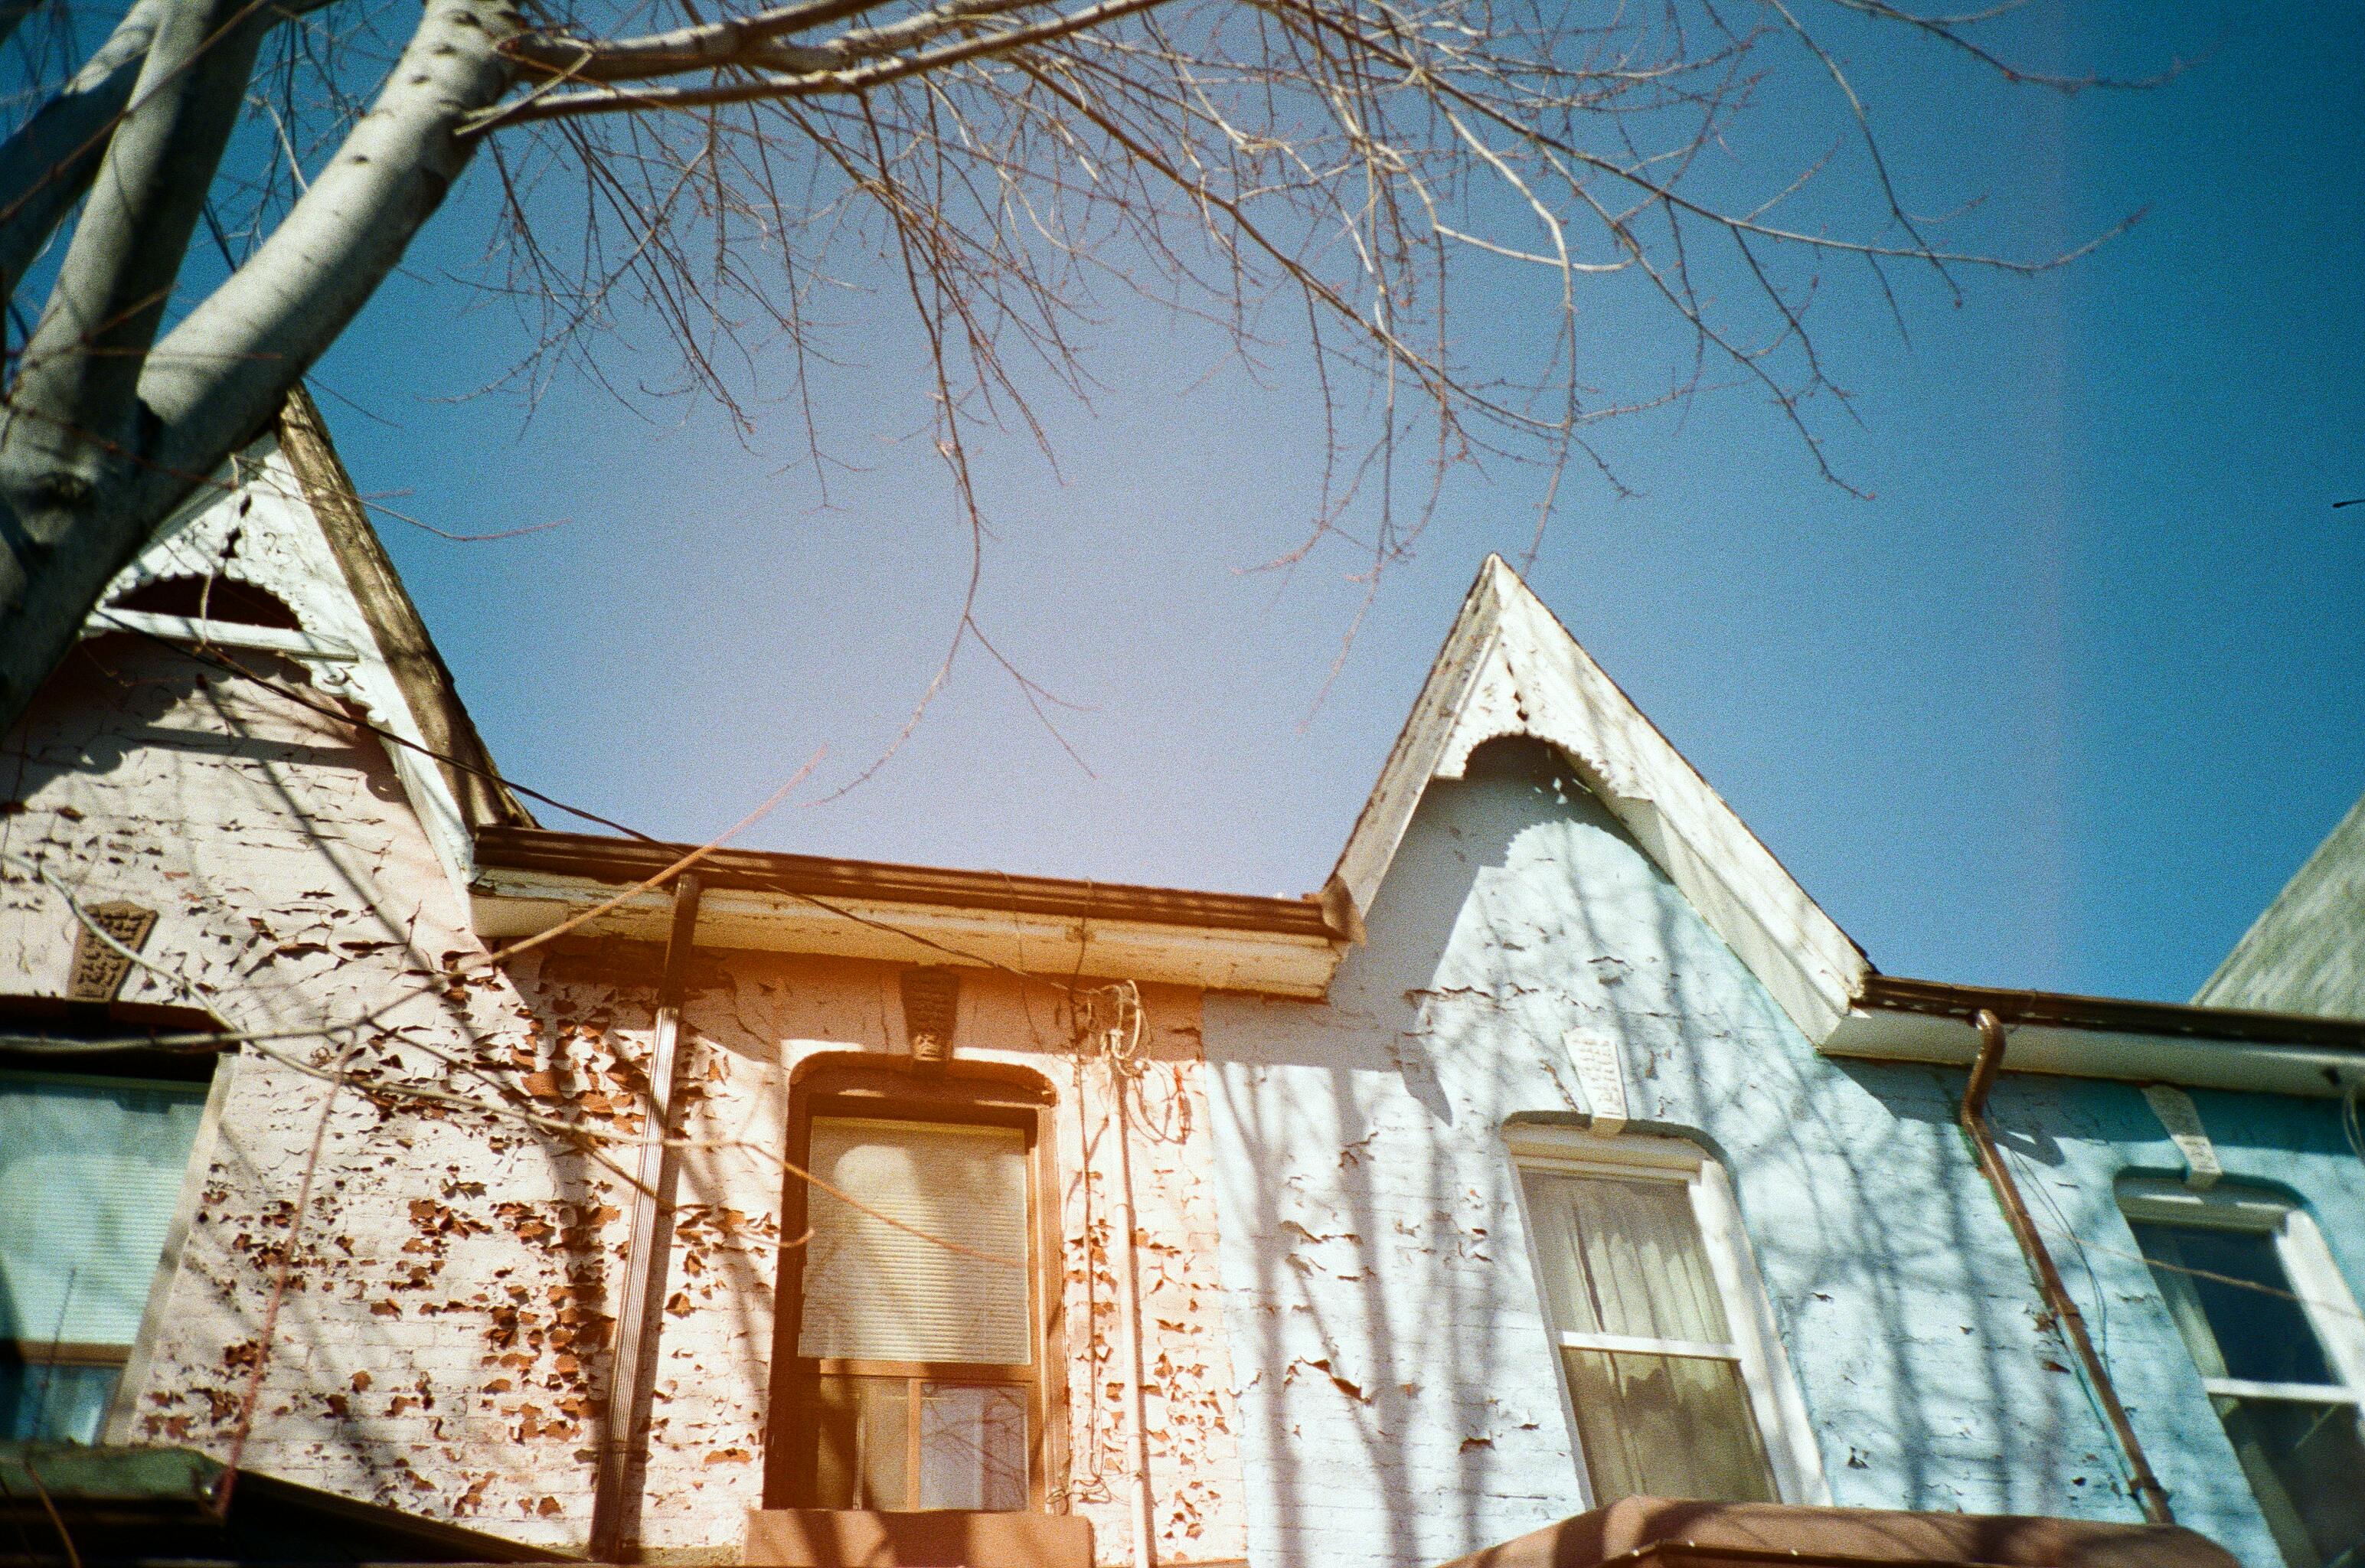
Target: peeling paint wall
{"type": "Point", "coordinates": [1397, 1391]}
{"type": "Point", "coordinates": [442, 1339]}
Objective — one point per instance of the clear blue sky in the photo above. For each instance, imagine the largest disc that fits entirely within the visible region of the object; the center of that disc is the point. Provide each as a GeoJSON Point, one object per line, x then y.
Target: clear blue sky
{"type": "Point", "coordinates": [2062, 706]}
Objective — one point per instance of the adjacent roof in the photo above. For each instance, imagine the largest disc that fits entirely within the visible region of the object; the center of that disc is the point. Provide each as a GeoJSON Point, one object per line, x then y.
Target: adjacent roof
{"type": "Point", "coordinates": [2307, 953]}
{"type": "Point", "coordinates": [1666, 1533]}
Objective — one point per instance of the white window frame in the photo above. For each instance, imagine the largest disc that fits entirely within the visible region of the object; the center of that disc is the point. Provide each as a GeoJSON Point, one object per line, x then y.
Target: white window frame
{"type": "Point", "coordinates": [2324, 1295]}
{"type": "Point", "coordinates": [124, 1409]}
{"type": "Point", "coordinates": [1757, 1347]}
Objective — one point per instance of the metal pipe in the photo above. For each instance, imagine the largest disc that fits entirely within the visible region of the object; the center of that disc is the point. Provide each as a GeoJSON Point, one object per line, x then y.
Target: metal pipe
{"type": "Point", "coordinates": [616, 1497]}
{"type": "Point", "coordinates": [2149, 1495]}
{"type": "Point", "coordinates": [1127, 1028]}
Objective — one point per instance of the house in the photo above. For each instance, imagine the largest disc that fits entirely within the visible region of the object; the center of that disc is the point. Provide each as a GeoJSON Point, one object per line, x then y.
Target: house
{"type": "Point", "coordinates": [363, 1131]}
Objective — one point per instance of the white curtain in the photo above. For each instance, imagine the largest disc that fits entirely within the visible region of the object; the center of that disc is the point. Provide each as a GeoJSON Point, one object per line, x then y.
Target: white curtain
{"type": "Point", "coordinates": [1625, 1257]}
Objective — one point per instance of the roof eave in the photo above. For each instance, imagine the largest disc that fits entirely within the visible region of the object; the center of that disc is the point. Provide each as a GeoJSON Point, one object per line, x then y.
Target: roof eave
{"type": "Point", "coordinates": [1896, 1019]}
{"type": "Point", "coordinates": [530, 880]}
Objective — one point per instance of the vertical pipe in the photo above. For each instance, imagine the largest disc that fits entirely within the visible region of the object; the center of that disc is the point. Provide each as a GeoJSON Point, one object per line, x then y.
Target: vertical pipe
{"type": "Point", "coordinates": [615, 1498]}
{"type": "Point", "coordinates": [2148, 1493]}
{"type": "Point", "coordinates": [1128, 1278]}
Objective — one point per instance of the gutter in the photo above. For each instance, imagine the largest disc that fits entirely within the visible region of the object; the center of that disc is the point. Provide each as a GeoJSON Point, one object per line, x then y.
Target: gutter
{"type": "Point", "coordinates": [2111, 1014]}
{"type": "Point", "coordinates": [529, 879]}
{"type": "Point", "coordinates": [627, 861]}
{"type": "Point", "coordinates": [1973, 1114]}
{"type": "Point", "coordinates": [1927, 1022]}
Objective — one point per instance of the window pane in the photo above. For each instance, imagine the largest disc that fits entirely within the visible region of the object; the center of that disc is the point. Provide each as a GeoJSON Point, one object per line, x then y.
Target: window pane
{"type": "Point", "coordinates": [874, 1292]}
{"type": "Point", "coordinates": [90, 1173]}
{"type": "Point", "coordinates": [972, 1447]}
{"type": "Point", "coordinates": [54, 1403]}
{"type": "Point", "coordinates": [863, 1457]}
{"type": "Point", "coordinates": [2232, 1300]}
{"type": "Point", "coordinates": [1666, 1426]}
{"type": "Point", "coordinates": [1624, 1257]}
{"type": "Point", "coordinates": [2307, 1464]}
{"type": "Point", "coordinates": [885, 1461]}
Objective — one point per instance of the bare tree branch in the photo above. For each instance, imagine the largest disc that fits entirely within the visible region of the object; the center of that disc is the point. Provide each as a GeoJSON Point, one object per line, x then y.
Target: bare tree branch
{"type": "Point", "coordinates": [46, 164]}
{"type": "Point", "coordinates": [1330, 179]}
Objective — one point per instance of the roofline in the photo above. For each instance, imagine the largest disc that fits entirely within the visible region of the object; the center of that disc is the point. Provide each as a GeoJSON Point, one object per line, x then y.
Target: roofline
{"type": "Point", "coordinates": [1510, 666]}
{"type": "Point", "coordinates": [404, 642]}
{"type": "Point", "coordinates": [1928, 1023]}
{"type": "Point", "coordinates": [2115, 1015]}
{"type": "Point", "coordinates": [530, 880]}
{"type": "Point", "coordinates": [626, 861]}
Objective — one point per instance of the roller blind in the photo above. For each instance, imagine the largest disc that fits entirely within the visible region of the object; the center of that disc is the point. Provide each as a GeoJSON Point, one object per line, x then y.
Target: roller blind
{"type": "Point", "coordinates": [90, 1173]}
{"type": "Point", "coordinates": [873, 1292]}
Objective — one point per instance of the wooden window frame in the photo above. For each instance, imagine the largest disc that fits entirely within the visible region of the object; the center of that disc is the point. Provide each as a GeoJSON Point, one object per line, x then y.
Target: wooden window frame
{"type": "Point", "coordinates": [963, 1094]}
{"type": "Point", "coordinates": [1792, 1454]}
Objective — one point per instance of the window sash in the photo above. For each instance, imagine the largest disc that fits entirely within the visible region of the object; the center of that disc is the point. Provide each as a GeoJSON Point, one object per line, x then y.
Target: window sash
{"type": "Point", "coordinates": [1643, 1345]}
{"type": "Point", "coordinates": [2290, 1393]}
{"type": "Point", "coordinates": [2305, 1493]}
{"type": "Point", "coordinates": [1614, 1466]}
{"type": "Point", "coordinates": [900, 1444]}
{"type": "Point", "coordinates": [874, 1292]}
{"type": "Point", "coordinates": [90, 1176]}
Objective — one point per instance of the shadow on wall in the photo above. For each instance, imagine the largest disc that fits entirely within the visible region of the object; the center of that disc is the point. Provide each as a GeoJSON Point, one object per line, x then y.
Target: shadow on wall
{"type": "Point", "coordinates": [1399, 1388]}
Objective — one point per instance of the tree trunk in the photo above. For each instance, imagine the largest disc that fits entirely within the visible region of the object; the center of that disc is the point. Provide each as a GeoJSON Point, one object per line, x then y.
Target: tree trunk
{"type": "Point", "coordinates": [79, 499]}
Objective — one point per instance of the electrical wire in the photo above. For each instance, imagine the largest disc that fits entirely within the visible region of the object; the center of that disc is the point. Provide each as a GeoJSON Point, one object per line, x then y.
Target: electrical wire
{"type": "Point", "coordinates": [205, 652]}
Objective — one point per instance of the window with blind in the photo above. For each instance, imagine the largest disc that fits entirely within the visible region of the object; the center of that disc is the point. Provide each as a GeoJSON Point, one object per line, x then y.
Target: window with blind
{"type": "Point", "coordinates": [91, 1170]}
{"type": "Point", "coordinates": [918, 1338]}
{"type": "Point", "coordinates": [1670, 1368]}
{"type": "Point", "coordinates": [2276, 1335]}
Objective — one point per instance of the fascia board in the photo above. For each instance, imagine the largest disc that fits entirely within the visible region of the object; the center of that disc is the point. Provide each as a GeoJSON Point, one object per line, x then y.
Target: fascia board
{"type": "Point", "coordinates": [2186, 1060]}
{"type": "Point", "coordinates": [1422, 745]}
{"type": "Point", "coordinates": [509, 903]}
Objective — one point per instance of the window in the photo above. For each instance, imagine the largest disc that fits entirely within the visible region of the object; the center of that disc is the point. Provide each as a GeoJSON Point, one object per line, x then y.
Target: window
{"type": "Point", "coordinates": [915, 1376]}
{"type": "Point", "coordinates": [1674, 1380]}
{"type": "Point", "coordinates": [2282, 1351]}
{"type": "Point", "coordinates": [91, 1175]}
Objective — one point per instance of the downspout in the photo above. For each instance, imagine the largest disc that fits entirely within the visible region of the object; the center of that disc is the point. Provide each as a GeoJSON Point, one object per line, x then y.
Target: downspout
{"type": "Point", "coordinates": [1120, 1047]}
{"type": "Point", "coordinates": [2148, 1493]}
{"type": "Point", "coordinates": [615, 1498]}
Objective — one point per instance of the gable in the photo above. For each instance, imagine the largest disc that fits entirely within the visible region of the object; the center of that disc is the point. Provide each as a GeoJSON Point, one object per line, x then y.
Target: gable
{"type": "Point", "coordinates": [1509, 668]}
{"type": "Point", "coordinates": [279, 557]}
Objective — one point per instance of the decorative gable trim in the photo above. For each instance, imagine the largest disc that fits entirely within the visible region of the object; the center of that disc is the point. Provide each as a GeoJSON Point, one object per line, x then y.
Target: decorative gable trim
{"type": "Point", "coordinates": [283, 519]}
{"type": "Point", "coordinates": [1509, 668]}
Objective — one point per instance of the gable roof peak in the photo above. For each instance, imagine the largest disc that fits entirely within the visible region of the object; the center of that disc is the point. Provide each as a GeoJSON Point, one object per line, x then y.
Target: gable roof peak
{"type": "Point", "coordinates": [1509, 668]}
{"type": "Point", "coordinates": [288, 565]}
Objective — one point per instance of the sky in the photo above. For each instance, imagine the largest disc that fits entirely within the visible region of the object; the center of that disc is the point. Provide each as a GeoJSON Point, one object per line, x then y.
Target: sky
{"type": "Point", "coordinates": [2061, 704]}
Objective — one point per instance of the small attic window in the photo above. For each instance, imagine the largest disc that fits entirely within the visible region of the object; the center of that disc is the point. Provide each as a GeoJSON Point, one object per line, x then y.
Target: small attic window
{"type": "Point", "coordinates": [228, 600]}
